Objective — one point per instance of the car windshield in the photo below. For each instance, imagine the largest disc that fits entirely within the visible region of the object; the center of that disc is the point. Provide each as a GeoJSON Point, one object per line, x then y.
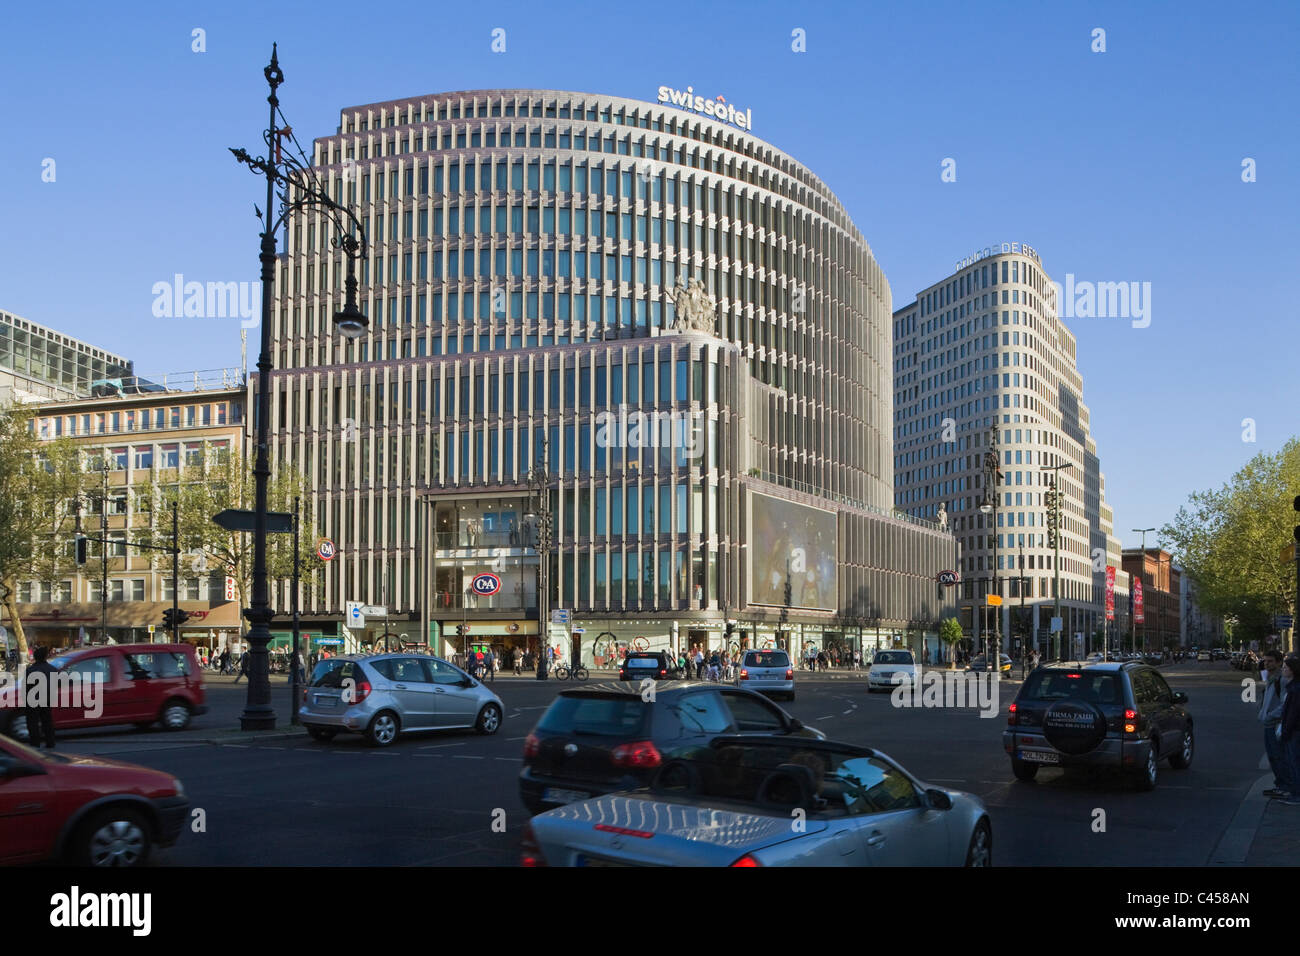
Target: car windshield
{"type": "Point", "coordinates": [595, 716]}
{"type": "Point", "coordinates": [1095, 687]}
{"type": "Point", "coordinates": [643, 662]}
{"type": "Point", "coordinates": [797, 776]}
{"type": "Point", "coordinates": [894, 657]}
{"type": "Point", "coordinates": [333, 672]}
{"type": "Point", "coordinates": [767, 659]}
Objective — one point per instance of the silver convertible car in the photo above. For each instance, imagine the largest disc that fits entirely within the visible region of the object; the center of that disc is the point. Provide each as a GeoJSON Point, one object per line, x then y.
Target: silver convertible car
{"type": "Point", "coordinates": [757, 801]}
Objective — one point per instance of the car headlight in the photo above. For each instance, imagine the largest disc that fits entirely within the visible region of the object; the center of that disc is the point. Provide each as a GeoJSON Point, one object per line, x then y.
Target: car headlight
{"type": "Point", "coordinates": [180, 787]}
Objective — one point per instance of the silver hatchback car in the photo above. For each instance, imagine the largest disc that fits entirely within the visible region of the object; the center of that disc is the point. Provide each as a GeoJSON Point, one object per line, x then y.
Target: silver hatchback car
{"type": "Point", "coordinates": [390, 694]}
{"type": "Point", "coordinates": [768, 672]}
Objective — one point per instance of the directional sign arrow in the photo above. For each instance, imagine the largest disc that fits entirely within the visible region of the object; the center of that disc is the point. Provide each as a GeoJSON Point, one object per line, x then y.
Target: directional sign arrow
{"type": "Point", "coordinates": [277, 522]}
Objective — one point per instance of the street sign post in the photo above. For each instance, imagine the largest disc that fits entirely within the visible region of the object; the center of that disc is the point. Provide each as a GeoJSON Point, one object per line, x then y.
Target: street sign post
{"type": "Point", "coordinates": [373, 610]}
{"type": "Point", "coordinates": [1058, 624]}
{"type": "Point", "coordinates": [355, 617]}
{"type": "Point", "coordinates": [277, 522]}
{"type": "Point", "coordinates": [560, 616]}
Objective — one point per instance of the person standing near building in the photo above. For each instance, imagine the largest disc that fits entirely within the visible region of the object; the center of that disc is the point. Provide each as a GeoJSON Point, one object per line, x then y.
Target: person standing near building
{"type": "Point", "coordinates": [490, 665]}
{"type": "Point", "coordinates": [38, 687]}
{"type": "Point", "coordinates": [1270, 715]}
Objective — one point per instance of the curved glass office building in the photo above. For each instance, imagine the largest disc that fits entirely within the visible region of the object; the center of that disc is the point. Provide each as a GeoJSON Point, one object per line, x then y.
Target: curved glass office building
{"type": "Point", "coordinates": [682, 316]}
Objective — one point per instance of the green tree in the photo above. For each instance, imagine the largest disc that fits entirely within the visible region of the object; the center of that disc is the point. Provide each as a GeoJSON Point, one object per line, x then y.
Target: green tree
{"type": "Point", "coordinates": [225, 481]}
{"type": "Point", "coordinates": [950, 633]}
{"type": "Point", "coordinates": [1229, 542]}
{"type": "Point", "coordinates": [40, 483]}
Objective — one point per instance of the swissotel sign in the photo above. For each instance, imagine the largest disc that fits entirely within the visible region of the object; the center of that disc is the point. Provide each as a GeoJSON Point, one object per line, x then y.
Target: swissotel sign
{"type": "Point", "coordinates": [718, 107]}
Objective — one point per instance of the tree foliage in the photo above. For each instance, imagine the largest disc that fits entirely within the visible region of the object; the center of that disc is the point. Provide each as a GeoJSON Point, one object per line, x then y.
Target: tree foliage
{"type": "Point", "coordinates": [1229, 540]}
{"type": "Point", "coordinates": [951, 634]}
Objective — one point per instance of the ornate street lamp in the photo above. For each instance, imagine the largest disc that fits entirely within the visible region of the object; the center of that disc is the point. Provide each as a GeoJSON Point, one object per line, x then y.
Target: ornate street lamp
{"type": "Point", "coordinates": [539, 516]}
{"type": "Point", "coordinates": [989, 507]}
{"type": "Point", "coordinates": [292, 181]}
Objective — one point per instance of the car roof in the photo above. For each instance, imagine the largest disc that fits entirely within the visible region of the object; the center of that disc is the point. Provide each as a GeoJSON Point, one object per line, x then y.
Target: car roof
{"type": "Point", "coordinates": [799, 743]}
{"type": "Point", "coordinates": [1103, 666]}
{"type": "Point", "coordinates": [126, 648]}
{"type": "Point", "coordinates": [672, 688]}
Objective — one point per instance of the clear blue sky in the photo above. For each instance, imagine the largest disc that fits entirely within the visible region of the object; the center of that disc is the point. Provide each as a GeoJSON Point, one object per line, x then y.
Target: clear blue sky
{"type": "Point", "coordinates": [1123, 165]}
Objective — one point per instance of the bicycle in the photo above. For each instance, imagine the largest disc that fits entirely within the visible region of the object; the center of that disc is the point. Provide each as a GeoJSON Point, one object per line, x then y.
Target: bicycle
{"type": "Point", "coordinates": [577, 672]}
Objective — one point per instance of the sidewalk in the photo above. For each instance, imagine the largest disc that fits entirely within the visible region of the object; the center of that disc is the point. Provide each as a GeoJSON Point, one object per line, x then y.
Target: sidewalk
{"type": "Point", "coordinates": [1277, 840]}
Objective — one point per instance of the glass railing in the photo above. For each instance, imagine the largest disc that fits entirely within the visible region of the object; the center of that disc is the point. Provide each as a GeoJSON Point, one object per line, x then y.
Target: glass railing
{"type": "Point", "coordinates": [485, 539]}
{"type": "Point", "coordinates": [506, 601]}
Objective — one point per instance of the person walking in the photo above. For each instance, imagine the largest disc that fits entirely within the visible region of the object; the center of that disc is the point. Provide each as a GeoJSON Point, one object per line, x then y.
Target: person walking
{"type": "Point", "coordinates": [1270, 715]}
{"type": "Point", "coordinates": [38, 688]}
{"type": "Point", "coordinates": [699, 663]}
{"type": "Point", "coordinates": [491, 665]}
{"type": "Point", "coordinates": [243, 666]}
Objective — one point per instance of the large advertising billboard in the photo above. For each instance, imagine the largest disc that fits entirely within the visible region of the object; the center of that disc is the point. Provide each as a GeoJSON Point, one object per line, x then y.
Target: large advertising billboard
{"type": "Point", "coordinates": [792, 550]}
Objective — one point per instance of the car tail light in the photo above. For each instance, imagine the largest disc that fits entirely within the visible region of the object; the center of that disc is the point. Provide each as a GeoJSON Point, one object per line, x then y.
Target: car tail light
{"type": "Point", "coordinates": [532, 744]}
{"type": "Point", "coordinates": [530, 851]}
{"type": "Point", "coordinates": [1130, 721]}
{"type": "Point", "coordinates": [304, 695]}
{"type": "Point", "coordinates": [747, 860]}
{"type": "Point", "coordinates": [642, 755]}
{"type": "Point", "coordinates": [1011, 719]}
{"type": "Point", "coordinates": [663, 673]}
{"type": "Point", "coordinates": [744, 674]}
{"type": "Point", "coordinates": [1074, 676]}
{"type": "Point", "coordinates": [789, 673]}
{"type": "Point", "coordinates": [358, 693]}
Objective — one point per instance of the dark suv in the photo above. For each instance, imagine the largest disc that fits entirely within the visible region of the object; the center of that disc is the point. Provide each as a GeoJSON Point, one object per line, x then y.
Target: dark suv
{"type": "Point", "coordinates": [1119, 715]}
{"type": "Point", "coordinates": [611, 737]}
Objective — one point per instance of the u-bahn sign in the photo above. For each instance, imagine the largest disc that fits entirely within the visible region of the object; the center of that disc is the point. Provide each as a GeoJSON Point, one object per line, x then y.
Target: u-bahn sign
{"type": "Point", "coordinates": [485, 584]}
{"type": "Point", "coordinates": [947, 578]}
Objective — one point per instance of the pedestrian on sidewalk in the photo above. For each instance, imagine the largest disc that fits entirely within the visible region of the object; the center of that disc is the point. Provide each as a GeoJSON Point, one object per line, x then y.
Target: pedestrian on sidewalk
{"type": "Point", "coordinates": [243, 666]}
{"type": "Point", "coordinates": [1288, 731]}
{"type": "Point", "coordinates": [39, 687]}
{"type": "Point", "coordinates": [1270, 715]}
{"type": "Point", "coordinates": [491, 660]}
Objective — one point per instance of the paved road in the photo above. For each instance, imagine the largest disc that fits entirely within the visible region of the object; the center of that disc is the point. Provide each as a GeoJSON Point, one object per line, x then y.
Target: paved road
{"type": "Point", "coordinates": [451, 798]}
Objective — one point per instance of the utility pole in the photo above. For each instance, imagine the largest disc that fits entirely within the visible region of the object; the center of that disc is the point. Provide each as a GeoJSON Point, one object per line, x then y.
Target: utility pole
{"type": "Point", "coordinates": [103, 537]}
{"type": "Point", "coordinates": [293, 604]}
{"type": "Point", "coordinates": [1143, 570]}
{"type": "Point", "coordinates": [1054, 495]}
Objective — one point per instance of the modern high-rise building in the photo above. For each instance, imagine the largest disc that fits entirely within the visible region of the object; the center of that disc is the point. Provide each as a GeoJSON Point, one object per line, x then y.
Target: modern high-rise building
{"type": "Point", "coordinates": [983, 349]}
{"type": "Point", "coordinates": [682, 315]}
{"type": "Point", "coordinates": [39, 364]}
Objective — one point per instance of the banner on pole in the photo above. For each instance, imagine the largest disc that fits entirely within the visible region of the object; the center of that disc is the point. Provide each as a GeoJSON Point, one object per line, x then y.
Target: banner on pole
{"type": "Point", "coordinates": [1110, 592]}
{"type": "Point", "coordinates": [1139, 613]}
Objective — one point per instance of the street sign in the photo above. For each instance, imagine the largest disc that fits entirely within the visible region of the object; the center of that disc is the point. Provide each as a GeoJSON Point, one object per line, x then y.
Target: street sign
{"type": "Point", "coordinates": [374, 610]}
{"type": "Point", "coordinates": [353, 613]}
{"type": "Point", "coordinates": [151, 628]}
{"type": "Point", "coordinates": [330, 640]}
{"type": "Point", "coordinates": [277, 522]}
{"type": "Point", "coordinates": [486, 584]}
{"type": "Point", "coordinates": [995, 600]}
{"type": "Point", "coordinates": [1058, 624]}
{"type": "Point", "coordinates": [1283, 621]}
{"type": "Point", "coordinates": [230, 588]}
{"type": "Point", "coordinates": [579, 630]}
{"type": "Point", "coordinates": [560, 616]}
{"type": "Point", "coordinates": [325, 549]}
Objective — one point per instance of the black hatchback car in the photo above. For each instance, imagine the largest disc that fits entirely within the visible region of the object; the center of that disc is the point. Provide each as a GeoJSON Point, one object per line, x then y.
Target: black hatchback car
{"type": "Point", "coordinates": [656, 665]}
{"type": "Point", "coordinates": [611, 737]}
{"type": "Point", "coordinates": [1116, 715]}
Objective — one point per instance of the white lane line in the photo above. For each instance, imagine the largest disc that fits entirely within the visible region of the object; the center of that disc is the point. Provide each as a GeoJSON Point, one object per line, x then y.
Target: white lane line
{"type": "Point", "coordinates": [466, 757]}
{"type": "Point", "coordinates": [437, 746]}
{"type": "Point", "coordinates": [512, 759]}
{"type": "Point", "coordinates": [847, 712]}
{"type": "Point", "coordinates": [516, 738]}
{"type": "Point", "coordinates": [827, 717]}
{"type": "Point", "coordinates": [428, 755]}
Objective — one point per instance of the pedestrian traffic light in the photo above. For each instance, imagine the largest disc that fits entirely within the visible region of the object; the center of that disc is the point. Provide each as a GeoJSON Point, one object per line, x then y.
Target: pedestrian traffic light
{"type": "Point", "coordinates": [81, 547]}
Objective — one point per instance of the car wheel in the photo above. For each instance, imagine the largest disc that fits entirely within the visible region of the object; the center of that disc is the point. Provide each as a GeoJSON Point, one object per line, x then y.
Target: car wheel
{"type": "Point", "coordinates": [175, 715]}
{"type": "Point", "coordinates": [323, 734]}
{"type": "Point", "coordinates": [383, 729]}
{"type": "Point", "coordinates": [15, 728]}
{"type": "Point", "coordinates": [1147, 776]}
{"type": "Point", "coordinates": [118, 836]}
{"type": "Point", "coordinates": [980, 851]}
{"type": "Point", "coordinates": [1025, 770]}
{"type": "Point", "coordinates": [489, 719]}
{"type": "Point", "coordinates": [1183, 759]}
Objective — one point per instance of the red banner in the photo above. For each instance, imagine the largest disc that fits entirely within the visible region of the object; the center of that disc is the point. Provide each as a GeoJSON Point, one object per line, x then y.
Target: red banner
{"type": "Point", "coordinates": [1138, 614]}
{"type": "Point", "coordinates": [1110, 592]}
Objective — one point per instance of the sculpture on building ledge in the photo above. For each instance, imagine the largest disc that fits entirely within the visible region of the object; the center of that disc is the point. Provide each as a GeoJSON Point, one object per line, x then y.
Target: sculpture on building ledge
{"type": "Point", "coordinates": [695, 308]}
{"type": "Point", "coordinates": [943, 517]}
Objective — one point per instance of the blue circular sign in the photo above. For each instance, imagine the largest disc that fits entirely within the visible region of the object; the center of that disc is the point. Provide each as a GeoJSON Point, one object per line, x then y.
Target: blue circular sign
{"type": "Point", "coordinates": [485, 584]}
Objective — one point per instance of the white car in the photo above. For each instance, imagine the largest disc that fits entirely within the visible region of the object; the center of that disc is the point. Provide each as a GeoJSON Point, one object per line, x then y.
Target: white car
{"type": "Point", "coordinates": [890, 669]}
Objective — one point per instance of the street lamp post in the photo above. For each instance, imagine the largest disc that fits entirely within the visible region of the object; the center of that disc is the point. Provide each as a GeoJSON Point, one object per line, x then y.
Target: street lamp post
{"type": "Point", "coordinates": [539, 486]}
{"type": "Point", "coordinates": [1054, 496]}
{"type": "Point", "coordinates": [989, 507]}
{"type": "Point", "coordinates": [298, 189]}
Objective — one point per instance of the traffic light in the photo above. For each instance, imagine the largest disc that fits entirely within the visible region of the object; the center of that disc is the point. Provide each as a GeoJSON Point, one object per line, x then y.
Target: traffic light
{"type": "Point", "coordinates": [168, 624]}
{"type": "Point", "coordinates": [181, 616]}
{"type": "Point", "coordinates": [81, 545]}
{"type": "Point", "coordinates": [173, 619]}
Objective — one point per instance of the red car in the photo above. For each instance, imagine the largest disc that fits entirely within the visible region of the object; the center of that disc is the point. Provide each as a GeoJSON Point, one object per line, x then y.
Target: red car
{"type": "Point", "coordinates": [87, 811]}
{"type": "Point", "coordinates": [139, 684]}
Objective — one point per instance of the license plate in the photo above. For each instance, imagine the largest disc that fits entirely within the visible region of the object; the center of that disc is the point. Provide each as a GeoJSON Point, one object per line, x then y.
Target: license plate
{"type": "Point", "coordinates": [325, 701]}
{"type": "Point", "coordinates": [768, 677]}
{"type": "Point", "coordinates": [1040, 756]}
{"type": "Point", "coordinates": [551, 795]}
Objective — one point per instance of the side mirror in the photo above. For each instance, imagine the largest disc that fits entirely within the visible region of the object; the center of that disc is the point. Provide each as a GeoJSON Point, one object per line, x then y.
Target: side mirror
{"type": "Point", "coordinates": [796, 724]}
{"type": "Point", "coordinates": [1180, 697]}
{"type": "Point", "coordinates": [938, 800]}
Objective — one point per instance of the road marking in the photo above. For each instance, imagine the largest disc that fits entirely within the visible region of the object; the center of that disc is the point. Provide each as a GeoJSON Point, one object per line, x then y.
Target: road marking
{"type": "Point", "coordinates": [514, 759]}
{"type": "Point", "coordinates": [466, 757]}
{"type": "Point", "coordinates": [436, 746]}
{"type": "Point", "coordinates": [849, 711]}
{"type": "Point", "coordinates": [428, 755]}
{"type": "Point", "coordinates": [827, 717]}
{"type": "Point", "coordinates": [516, 738]}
